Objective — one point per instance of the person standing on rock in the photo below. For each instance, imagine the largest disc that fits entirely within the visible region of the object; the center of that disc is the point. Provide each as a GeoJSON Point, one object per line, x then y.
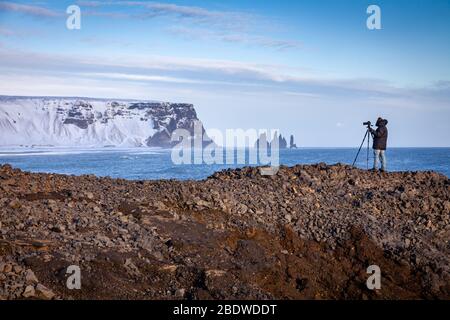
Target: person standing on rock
{"type": "Point", "coordinates": [379, 143]}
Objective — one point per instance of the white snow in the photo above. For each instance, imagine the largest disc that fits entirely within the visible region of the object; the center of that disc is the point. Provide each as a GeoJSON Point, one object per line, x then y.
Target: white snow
{"type": "Point", "coordinates": [39, 121]}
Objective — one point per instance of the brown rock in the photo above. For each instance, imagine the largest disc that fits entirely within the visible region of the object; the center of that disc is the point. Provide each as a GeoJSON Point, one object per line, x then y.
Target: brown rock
{"type": "Point", "coordinates": [7, 268]}
{"type": "Point", "coordinates": [17, 269]}
{"type": "Point", "coordinates": [15, 204]}
{"type": "Point", "coordinates": [29, 292]}
{"type": "Point", "coordinates": [30, 277]}
{"type": "Point", "coordinates": [44, 293]}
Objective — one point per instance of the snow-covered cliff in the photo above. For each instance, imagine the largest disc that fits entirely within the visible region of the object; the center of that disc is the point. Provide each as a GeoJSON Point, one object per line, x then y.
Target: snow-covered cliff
{"type": "Point", "coordinates": [72, 121]}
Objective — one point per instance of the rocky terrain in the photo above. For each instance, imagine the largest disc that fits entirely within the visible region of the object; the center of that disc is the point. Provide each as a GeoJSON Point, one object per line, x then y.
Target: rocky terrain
{"type": "Point", "coordinates": [309, 232]}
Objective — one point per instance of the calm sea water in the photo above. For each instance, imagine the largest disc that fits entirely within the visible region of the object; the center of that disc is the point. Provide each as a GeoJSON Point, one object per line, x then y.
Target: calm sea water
{"type": "Point", "coordinates": [156, 164]}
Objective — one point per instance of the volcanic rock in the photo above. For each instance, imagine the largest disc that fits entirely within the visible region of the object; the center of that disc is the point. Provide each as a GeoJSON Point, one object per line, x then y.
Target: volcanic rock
{"type": "Point", "coordinates": [310, 231]}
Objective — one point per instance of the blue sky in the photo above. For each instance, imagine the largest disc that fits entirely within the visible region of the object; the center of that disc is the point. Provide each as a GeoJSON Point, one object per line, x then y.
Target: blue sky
{"type": "Point", "coordinates": [311, 68]}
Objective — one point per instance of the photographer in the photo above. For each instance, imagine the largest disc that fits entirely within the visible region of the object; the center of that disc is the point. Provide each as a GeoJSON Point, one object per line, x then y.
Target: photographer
{"type": "Point", "coordinates": [379, 136]}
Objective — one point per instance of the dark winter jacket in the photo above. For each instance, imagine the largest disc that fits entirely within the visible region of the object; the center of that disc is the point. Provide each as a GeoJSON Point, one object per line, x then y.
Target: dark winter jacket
{"type": "Point", "coordinates": [380, 135]}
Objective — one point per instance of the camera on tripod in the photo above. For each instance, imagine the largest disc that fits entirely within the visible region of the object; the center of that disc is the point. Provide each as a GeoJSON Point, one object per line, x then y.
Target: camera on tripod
{"type": "Point", "coordinates": [367, 135]}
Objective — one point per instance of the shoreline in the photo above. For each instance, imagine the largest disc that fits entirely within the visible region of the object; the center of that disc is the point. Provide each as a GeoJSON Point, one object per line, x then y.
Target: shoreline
{"type": "Point", "coordinates": [309, 232]}
{"type": "Point", "coordinates": [153, 164]}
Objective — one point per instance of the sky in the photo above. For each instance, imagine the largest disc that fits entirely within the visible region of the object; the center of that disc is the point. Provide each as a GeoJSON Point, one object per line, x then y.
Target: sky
{"type": "Point", "coordinates": [308, 68]}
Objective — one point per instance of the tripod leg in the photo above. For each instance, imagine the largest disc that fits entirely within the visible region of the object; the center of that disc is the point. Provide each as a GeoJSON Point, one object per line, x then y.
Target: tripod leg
{"type": "Point", "coordinates": [359, 150]}
{"type": "Point", "coordinates": [368, 144]}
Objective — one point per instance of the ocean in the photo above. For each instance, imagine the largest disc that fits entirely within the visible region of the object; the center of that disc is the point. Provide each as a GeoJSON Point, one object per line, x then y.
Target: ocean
{"type": "Point", "coordinates": [142, 163]}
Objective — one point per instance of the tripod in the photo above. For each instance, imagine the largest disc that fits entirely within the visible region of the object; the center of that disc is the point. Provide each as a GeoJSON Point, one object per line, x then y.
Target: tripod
{"type": "Point", "coordinates": [359, 150]}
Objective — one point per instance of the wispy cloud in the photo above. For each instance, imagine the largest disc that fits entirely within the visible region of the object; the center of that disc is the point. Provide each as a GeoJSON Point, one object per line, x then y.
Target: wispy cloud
{"type": "Point", "coordinates": [226, 26]}
{"type": "Point", "coordinates": [263, 41]}
{"type": "Point", "coordinates": [7, 32]}
{"type": "Point", "coordinates": [155, 9]}
{"type": "Point", "coordinates": [17, 33]}
{"type": "Point", "coordinates": [243, 38]}
{"type": "Point", "coordinates": [301, 94]}
{"type": "Point", "coordinates": [28, 9]}
{"type": "Point", "coordinates": [148, 10]}
{"type": "Point", "coordinates": [91, 3]}
{"type": "Point", "coordinates": [102, 41]}
{"type": "Point", "coordinates": [204, 73]}
{"type": "Point", "coordinates": [186, 11]}
{"type": "Point", "coordinates": [112, 15]}
{"type": "Point", "coordinates": [140, 77]}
